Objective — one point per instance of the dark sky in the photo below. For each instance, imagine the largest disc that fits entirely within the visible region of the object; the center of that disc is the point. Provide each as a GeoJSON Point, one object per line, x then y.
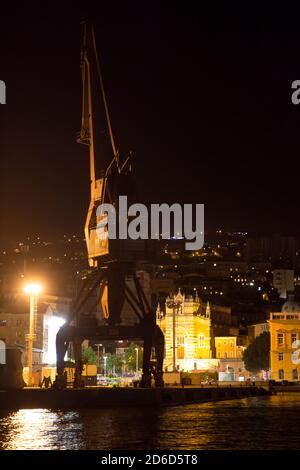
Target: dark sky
{"type": "Point", "coordinates": [202, 98]}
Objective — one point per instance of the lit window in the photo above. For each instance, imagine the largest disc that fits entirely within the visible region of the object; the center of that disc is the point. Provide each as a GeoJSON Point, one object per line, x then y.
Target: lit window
{"type": "Point", "coordinates": [295, 357]}
{"type": "Point", "coordinates": [280, 338]}
{"type": "Point", "coordinates": [201, 340]}
{"type": "Point", "coordinates": [180, 347]}
{"type": "Point", "coordinates": [294, 338]}
{"type": "Point", "coordinates": [180, 340]}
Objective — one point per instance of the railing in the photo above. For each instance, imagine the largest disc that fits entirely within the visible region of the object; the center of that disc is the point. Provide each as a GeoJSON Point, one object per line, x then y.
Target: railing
{"type": "Point", "coordinates": [284, 316]}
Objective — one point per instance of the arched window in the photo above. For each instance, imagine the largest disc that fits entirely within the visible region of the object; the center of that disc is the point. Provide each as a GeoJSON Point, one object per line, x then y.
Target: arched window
{"type": "Point", "coordinates": [201, 340]}
{"type": "Point", "coordinates": [180, 347]}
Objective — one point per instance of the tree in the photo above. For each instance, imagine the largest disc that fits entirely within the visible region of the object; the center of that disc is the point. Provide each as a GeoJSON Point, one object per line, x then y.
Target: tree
{"type": "Point", "coordinates": [257, 355]}
{"type": "Point", "coordinates": [131, 355]}
{"type": "Point", "coordinates": [114, 364]}
{"type": "Point", "coordinates": [89, 356]}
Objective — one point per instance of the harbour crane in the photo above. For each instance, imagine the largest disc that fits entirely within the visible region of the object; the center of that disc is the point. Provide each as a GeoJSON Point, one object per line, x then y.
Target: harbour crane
{"type": "Point", "coordinates": [115, 301]}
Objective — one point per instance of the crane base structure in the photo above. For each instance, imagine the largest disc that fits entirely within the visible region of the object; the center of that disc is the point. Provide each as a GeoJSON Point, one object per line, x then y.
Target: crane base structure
{"type": "Point", "coordinates": [83, 323]}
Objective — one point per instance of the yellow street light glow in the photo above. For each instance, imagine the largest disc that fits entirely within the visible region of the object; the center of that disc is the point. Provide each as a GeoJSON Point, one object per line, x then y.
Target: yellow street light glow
{"type": "Point", "coordinates": [32, 289]}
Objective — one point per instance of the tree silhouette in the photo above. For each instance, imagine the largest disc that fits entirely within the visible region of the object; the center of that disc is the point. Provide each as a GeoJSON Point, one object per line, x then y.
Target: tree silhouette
{"type": "Point", "coordinates": [257, 355]}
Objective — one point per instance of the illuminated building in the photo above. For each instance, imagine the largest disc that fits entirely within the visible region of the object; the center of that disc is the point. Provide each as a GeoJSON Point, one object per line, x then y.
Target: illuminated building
{"type": "Point", "coordinates": [194, 323]}
{"type": "Point", "coordinates": [257, 329]}
{"type": "Point", "coordinates": [284, 347]}
{"type": "Point", "coordinates": [13, 328]}
{"type": "Point", "coordinates": [227, 347]}
{"type": "Point", "coordinates": [14, 324]}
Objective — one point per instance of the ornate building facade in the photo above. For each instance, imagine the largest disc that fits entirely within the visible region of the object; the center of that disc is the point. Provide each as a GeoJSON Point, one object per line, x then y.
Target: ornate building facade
{"type": "Point", "coordinates": [190, 327]}
{"type": "Point", "coordinates": [285, 342]}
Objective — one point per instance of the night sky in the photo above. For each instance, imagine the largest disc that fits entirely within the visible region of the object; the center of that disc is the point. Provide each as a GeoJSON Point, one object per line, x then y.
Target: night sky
{"type": "Point", "coordinates": [201, 97]}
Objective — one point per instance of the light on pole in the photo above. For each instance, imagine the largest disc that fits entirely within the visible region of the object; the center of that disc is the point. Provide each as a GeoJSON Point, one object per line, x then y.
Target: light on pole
{"type": "Point", "coordinates": [105, 359]}
{"type": "Point", "coordinates": [98, 353]}
{"type": "Point", "coordinates": [24, 250]}
{"type": "Point", "coordinates": [175, 305]}
{"type": "Point", "coordinates": [137, 361]}
{"type": "Point", "coordinates": [32, 290]}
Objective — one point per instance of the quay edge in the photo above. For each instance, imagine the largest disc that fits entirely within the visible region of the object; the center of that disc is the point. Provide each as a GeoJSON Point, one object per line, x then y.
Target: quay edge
{"type": "Point", "coordinates": [105, 397]}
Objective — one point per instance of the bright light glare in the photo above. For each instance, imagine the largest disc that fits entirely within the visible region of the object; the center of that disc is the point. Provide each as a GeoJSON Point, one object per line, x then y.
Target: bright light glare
{"type": "Point", "coordinates": [32, 289]}
{"type": "Point", "coordinates": [53, 325]}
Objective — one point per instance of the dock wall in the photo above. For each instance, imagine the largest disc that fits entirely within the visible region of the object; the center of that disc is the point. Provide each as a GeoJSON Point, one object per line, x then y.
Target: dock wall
{"type": "Point", "coordinates": [95, 398]}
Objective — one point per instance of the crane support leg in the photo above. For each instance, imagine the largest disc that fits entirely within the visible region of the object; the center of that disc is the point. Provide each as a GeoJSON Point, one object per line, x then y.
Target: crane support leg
{"type": "Point", "coordinates": [146, 377]}
{"type": "Point", "coordinates": [62, 344]}
{"type": "Point", "coordinates": [78, 381]}
{"type": "Point", "coordinates": [159, 344]}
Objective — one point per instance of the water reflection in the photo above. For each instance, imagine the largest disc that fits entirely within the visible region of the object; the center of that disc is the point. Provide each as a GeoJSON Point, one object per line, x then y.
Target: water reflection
{"type": "Point", "coordinates": [253, 423]}
{"type": "Point", "coordinates": [40, 429]}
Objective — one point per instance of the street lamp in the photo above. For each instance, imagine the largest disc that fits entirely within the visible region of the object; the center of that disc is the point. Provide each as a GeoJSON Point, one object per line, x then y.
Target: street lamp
{"type": "Point", "coordinates": [98, 353]}
{"type": "Point", "coordinates": [33, 291]}
{"type": "Point", "coordinates": [175, 304]}
{"type": "Point", "coordinates": [105, 359]}
{"type": "Point", "coordinates": [137, 361]}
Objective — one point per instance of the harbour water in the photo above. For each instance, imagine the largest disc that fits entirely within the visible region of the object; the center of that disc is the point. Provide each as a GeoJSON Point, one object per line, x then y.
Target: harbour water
{"type": "Point", "coordinates": [270, 422]}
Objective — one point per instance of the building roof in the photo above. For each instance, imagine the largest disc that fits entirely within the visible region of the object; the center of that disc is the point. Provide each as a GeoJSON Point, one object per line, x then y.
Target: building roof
{"type": "Point", "coordinates": [291, 305]}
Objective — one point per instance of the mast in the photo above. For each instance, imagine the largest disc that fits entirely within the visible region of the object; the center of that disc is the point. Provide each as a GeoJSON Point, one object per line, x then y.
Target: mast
{"type": "Point", "coordinates": [87, 130]}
